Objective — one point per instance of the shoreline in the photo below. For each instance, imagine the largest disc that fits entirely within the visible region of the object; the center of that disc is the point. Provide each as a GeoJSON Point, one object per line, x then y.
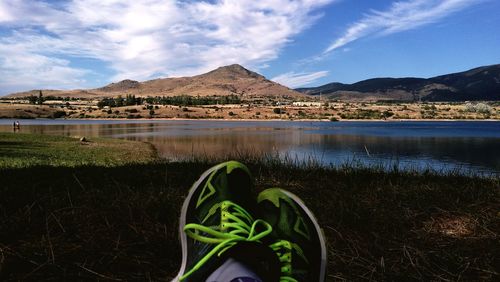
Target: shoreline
{"type": "Point", "coordinates": [261, 120]}
{"type": "Point", "coordinates": [334, 111]}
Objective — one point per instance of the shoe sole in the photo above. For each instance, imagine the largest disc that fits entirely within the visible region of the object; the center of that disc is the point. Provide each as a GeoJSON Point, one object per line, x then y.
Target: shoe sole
{"type": "Point", "coordinates": [182, 219]}
{"type": "Point", "coordinates": [319, 231]}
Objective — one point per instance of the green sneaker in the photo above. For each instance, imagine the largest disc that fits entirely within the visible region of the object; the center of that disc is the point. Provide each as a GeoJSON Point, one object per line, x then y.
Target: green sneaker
{"type": "Point", "coordinates": [216, 216]}
{"type": "Point", "coordinates": [296, 238]}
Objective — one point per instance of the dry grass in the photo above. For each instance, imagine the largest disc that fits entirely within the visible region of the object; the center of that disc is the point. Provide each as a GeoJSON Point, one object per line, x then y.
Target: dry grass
{"type": "Point", "coordinates": [120, 223]}
{"type": "Point", "coordinates": [249, 110]}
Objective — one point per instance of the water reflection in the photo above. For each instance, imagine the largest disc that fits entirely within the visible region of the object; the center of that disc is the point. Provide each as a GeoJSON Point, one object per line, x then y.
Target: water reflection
{"type": "Point", "coordinates": [437, 145]}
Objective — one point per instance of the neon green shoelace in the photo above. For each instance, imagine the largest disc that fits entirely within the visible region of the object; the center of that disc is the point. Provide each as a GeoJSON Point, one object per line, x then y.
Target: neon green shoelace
{"type": "Point", "coordinates": [236, 225]}
{"type": "Point", "coordinates": [283, 250]}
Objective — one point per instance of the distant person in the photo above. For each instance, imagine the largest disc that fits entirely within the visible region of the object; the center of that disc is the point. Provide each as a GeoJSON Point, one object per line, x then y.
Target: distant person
{"type": "Point", "coordinates": [228, 235]}
{"type": "Point", "coordinates": [18, 126]}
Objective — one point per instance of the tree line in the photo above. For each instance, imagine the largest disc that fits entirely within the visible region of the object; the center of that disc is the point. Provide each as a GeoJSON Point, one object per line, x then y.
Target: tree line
{"type": "Point", "coordinates": [182, 100]}
{"type": "Point", "coordinates": [39, 99]}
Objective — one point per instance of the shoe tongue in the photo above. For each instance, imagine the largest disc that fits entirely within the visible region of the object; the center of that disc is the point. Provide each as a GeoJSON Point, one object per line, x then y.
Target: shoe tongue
{"type": "Point", "coordinates": [258, 257]}
{"type": "Point", "coordinates": [224, 220]}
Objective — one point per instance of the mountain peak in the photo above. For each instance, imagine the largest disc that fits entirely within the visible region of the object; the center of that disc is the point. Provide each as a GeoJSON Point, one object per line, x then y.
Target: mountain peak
{"type": "Point", "coordinates": [227, 80]}
{"type": "Point", "coordinates": [234, 71]}
{"type": "Point", "coordinates": [121, 86]}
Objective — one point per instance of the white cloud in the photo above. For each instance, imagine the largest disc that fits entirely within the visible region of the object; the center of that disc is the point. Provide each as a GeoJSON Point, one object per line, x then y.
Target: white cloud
{"type": "Point", "coordinates": [20, 67]}
{"type": "Point", "coordinates": [401, 16]}
{"type": "Point", "coordinates": [4, 13]}
{"type": "Point", "coordinates": [294, 80]}
{"type": "Point", "coordinates": [141, 39]}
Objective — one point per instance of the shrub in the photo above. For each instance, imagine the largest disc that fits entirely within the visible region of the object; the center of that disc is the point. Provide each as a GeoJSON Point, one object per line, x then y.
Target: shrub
{"type": "Point", "coordinates": [478, 108]}
{"type": "Point", "coordinates": [59, 114]}
{"type": "Point", "coordinates": [387, 114]}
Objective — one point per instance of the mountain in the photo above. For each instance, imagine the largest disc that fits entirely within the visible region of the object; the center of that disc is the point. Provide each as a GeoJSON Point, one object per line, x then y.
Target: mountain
{"type": "Point", "coordinates": [228, 80]}
{"type": "Point", "coordinates": [482, 83]}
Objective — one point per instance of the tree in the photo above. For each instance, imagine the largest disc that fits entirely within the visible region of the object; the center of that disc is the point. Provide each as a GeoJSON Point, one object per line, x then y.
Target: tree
{"type": "Point", "coordinates": [129, 100]}
{"type": "Point", "coordinates": [33, 99]}
{"type": "Point", "coordinates": [101, 104]}
{"type": "Point", "coordinates": [40, 98]}
{"type": "Point", "coordinates": [119, 101]}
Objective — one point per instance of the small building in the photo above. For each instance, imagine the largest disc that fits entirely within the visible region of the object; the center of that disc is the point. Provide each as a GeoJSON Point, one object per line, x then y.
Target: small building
{"type": "Point", "coordinates": [307, 104]}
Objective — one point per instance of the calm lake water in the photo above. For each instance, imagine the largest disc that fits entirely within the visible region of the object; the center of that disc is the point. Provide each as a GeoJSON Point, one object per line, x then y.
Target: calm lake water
{"type": "Point", "coordinates": [442, 146]}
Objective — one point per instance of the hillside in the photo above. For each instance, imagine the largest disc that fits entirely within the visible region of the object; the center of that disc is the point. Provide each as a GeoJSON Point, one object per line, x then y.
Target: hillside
{"type": "Point", "coordinates": [482, 83]}
{"type": "Point", "coordinates": [228, 80]}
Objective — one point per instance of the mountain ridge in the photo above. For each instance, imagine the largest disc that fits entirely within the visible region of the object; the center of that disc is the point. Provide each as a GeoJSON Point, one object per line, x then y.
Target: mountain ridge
{"type": "Point", "coordinates": [227, 80]}
{"type": "Point", "coordinates": [481, 83]}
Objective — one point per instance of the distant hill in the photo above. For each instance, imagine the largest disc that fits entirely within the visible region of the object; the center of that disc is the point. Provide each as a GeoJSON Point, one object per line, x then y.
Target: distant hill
{"type": "Point", "coordinates": [482, 83]}
{"type": "Point", "coordinates": [228, 80]}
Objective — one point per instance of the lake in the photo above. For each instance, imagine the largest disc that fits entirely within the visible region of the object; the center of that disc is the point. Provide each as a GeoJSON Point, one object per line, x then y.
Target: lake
{"type": "Point", "coordinates": [469, 146]}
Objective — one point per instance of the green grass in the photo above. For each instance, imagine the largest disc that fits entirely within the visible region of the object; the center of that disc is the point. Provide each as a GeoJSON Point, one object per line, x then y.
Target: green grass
{"type": "Point", "coordinates": [19, 150]}
{"type": "Point", "coordinates": [120, 223]}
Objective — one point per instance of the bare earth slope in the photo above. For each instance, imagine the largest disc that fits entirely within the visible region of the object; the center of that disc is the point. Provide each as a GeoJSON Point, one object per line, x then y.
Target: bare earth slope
{"type": "Point", "coordinates": [228, 80]}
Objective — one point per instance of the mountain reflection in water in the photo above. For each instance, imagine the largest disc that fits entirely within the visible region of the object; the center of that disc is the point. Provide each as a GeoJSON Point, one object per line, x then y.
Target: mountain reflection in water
{"type": "Point", "coordinates": [437, 145]}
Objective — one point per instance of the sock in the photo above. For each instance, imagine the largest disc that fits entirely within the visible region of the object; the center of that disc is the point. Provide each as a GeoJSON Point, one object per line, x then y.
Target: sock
{"type": "Point", "coordinates": [233, 271]}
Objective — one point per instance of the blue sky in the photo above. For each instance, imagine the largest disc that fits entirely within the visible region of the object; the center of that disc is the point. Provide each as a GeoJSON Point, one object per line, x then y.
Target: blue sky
{"type": "Point", "coordinates": [89, 43]}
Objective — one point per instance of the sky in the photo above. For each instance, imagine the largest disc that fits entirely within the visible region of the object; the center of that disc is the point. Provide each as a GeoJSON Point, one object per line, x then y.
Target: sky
{"type": "Point", "coordinates": [298, 43]}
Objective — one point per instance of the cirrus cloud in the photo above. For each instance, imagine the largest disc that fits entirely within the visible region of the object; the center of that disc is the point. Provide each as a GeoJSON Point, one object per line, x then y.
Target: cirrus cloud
{"type": "Point", "coordinates": [401, 16]}
{"type": "Point", "coordinates": [294, 80]}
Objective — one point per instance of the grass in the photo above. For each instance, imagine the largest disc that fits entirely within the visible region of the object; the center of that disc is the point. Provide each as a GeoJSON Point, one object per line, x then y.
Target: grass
{"type": "Point", "coordinates": [120, 222]}
{"type": "Point", "coordinates": [21, 150]}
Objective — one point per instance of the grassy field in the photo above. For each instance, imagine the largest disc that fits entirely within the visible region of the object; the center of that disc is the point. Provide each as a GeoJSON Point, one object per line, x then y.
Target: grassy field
{"type": "Point", "coordinates": [26, 150]}
{"type": "Point", "coordinates": [119, 223]}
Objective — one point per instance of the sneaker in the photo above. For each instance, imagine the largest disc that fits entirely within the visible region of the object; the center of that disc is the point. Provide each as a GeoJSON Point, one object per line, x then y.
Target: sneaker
{"type": "Point", "coordinates": [296, 239]}
{"type": "Point", "coordinates": [216, 216]}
